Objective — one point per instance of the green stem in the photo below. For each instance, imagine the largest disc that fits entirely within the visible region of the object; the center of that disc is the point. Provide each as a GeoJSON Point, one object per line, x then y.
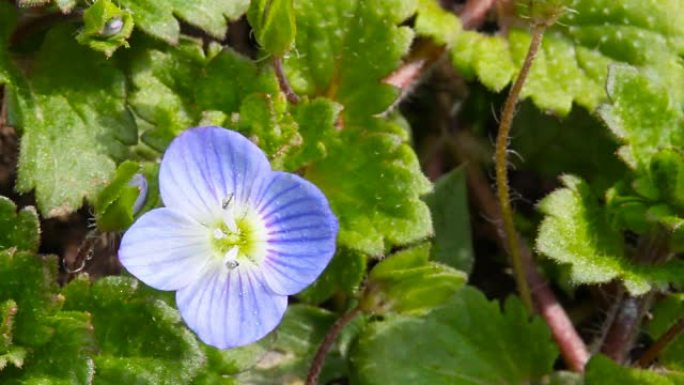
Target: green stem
{"type": "Point", "coordinates": [501, 158]}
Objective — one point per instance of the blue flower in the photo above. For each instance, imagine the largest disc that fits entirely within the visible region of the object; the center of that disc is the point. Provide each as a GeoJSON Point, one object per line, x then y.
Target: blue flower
{"type": "Point", "coordinates": [234, 238]}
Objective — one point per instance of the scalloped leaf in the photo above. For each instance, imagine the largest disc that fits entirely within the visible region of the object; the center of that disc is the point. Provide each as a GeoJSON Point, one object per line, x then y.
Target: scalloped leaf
{"type": "Point", "coordinates": [157, 17]}
{"type": "Point", "coordinates": [407, 283]}
{"type": "Point", "coordinates": [571, 66]}
{"type": "Point", "coordinates": [95, 126]}
{"type": "Point", "coordinates": [377, 196]}
{"type": "Point", "coordinates": [468, 341]}
{"type": "Point", "coordinates": [18, 229]}
{"type": "Point", "coordinates": [576, 231]}
{"type": "Point", "coordinates": [174, 86]}
{"type": "Point", "coordinates": [139, 337]}
{"type": "Point", "coordinates": [643, 113]}
{"type": "Point", "coordinates": [345, 48]}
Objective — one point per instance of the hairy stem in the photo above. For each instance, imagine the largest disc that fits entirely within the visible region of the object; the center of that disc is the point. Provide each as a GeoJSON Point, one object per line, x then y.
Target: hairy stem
{"type": "Point", "coordinates": [573, 350]}
{"type": "Point", "coordinates": [652, 353]}
{"type": "Point", "coordinates": [501, 159]}
{"type": "Point", "coordinates": [285, 87]}
{"type": "Point", "coordinates": [326, 344]}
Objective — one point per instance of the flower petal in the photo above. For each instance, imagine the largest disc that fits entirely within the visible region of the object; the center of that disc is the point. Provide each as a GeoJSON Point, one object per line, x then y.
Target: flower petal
{"type": "Point", "coordinates": [301, 232]}
{"type": "Point", "coordinates": [230, 308]}
{"type": "Point", "coordinates": [206, 165]}
{"type": "Point", "coordinates": [165, 249]}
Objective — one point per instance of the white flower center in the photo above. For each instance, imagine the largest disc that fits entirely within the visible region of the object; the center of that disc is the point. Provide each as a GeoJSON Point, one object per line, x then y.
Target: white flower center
{"type": "Point", "coordinates": [239, 237]}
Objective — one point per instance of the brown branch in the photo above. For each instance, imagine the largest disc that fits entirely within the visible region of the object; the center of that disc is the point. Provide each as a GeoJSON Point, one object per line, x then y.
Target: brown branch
{"type": "Point", "coordinates": [652, 353]}
{"type": "Point", "coordinates": [474, 13]}
{"type": "Point", "coordinates": [326, 344]}
{"type": "Point", "coordinates": [285, 87]}
{"type": "Point", "coordinates": [624, 327]}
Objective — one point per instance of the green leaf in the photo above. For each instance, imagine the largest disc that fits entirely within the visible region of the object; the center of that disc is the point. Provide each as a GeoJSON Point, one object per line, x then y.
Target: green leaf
{"type": "Point", "coordinates": [571, 64]}
{"type": "Point", "coordinates": [642, 114]}
{"type": "Point", "coordinates": [114, 204]}
{"type": "Point", "coordinates": [665, 314]}
{"type": "Point", "coordinates": [105, 27]}
{"type": "Point", "coordinates": [9, 354]}
{"type": "Point", "coordinates": [95, 126]}
{"type": "Point", "coordinates": [467, 341]}
{"type": "Point", "coordinates": [576, 231]}
{"type": "Point", "coordinates": [264, 118]}
{"type": "Point", "coordinates": [174, 86]}
{"type": "Point", "coordinates": [298, 337]}
{"type": "Point", "coordinates": [377, 196]}
{"type": "Point", "coordinates": [344, 50]}
{"type": "Point", "coordinates": [18, 229]}
{"type": "Point", "coordinates": [66, 358]}
{"type": "Point", "coordinates": [667, 171]}
{"type": "Point", "coordinates": [578, 144]}
{"type": "Point", "coordinates": [343, 275]}
{"type": "Point", "coordinates": [603, 371]}
{"type": "Point", "coordinates": [273, 22]}
{"type": "Point", "coordinates": [31, 282]}
{"type": "Point", "coordinates": [8, 20]}
{"type": "Point", "coordinates": [435, 22]}
{"type": "Point", "coordinates": [406, 282]}
{"type": "Point", "coordinates": [156, 17]}
{"type": "Point", "coordinates": [451, 220]}
{"type": "Point", "coordinates": [139, 338]}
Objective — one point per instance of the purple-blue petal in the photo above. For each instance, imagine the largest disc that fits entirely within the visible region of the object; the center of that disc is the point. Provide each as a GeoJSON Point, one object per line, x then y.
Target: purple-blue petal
{"type": "Point", "coordinates": [230, 308]}
{"type": "Point", "coordinates": [205, 165]}
{"type": "Point", "coordinates": [140, 182]}
{"type": "Point", "coordinates": [302, 231]}
{"type": "Point", "coordinates": [165, 249]}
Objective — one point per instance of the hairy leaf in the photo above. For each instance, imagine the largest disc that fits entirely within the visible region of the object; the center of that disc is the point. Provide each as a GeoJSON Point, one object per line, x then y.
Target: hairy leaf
{"type": "Point", "coordinates": [95, 127]}
{"type": "Point", "coordinates": [345, 48]}
{"type": "Point", "coordinates": [377, 196]}
{"type": "Point", "coordinates": [467, 341]}
{"type": "Point", "coordinates": [642, 114]}
{"type": "Point", "coordinates": [156, 17]}
{"type": "Point", "coordinates": [406, 282]}
{"type": "Point", "coordinates": [139, 338]}
{"type": "Point", "coordinates": [576, 231]}
{"type": "Point", "coordinates": [571, 64]}
{"type": "Point", "coordinates": [18, 229]}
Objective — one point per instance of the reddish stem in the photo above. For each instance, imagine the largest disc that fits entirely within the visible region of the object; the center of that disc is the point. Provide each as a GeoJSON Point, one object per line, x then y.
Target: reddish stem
{"type": "Point", "coordinates": [652, 353]}
{"type": "Point", "coordinates": [326, 344]}
{"type": "Point", "coordinates": [285, 87]}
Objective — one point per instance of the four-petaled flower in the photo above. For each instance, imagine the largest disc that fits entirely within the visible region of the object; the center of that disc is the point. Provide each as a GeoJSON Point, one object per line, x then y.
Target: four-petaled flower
{"type": "Point", "coordinates": [235, 238]}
